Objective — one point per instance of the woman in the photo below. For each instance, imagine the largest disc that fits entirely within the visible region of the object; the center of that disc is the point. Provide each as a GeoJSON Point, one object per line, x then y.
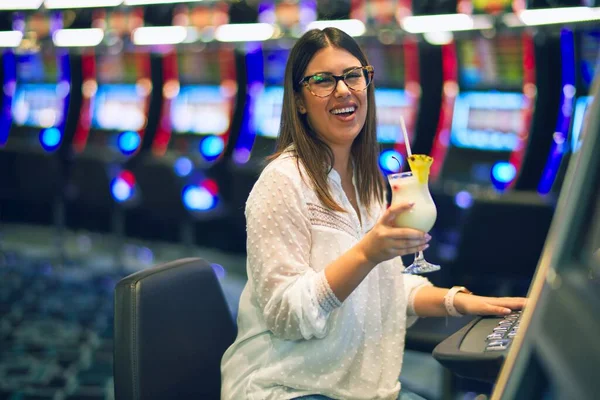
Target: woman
{"type": "Point", "coordinates": [326, 306]}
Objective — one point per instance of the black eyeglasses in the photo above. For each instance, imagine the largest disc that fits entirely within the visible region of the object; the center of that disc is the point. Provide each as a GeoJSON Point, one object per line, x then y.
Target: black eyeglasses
{"type": "Point", "coordinates": [323, 84]}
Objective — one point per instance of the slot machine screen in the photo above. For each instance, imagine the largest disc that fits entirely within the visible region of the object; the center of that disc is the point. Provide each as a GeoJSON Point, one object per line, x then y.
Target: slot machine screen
{"type": "Point", "coordinates": [392, 101]}
{"type": "Point", "coordinates": [267, 105]}
{"type": "Point", "coordinates": [267, 114]}
{"type": "Point", "coordinates": [202, 67]}
{"type": "Point", "coordinates": [118, 107]}
{"type": "Point", "coordinates": [202, 106]}
{"type": "Point", "coordinates": [588, 66]}
{"type": "Point", "coordinates": [388, 63]}
{"type": "Point", "coordinates": [391, 105]}
{"type": "Point", "coordinates": [484, 133]}
{"type": "Point", "coordinates": [487, 121]}
{"type": "Point", "coordinates": [119, 101]}
{"type": "Point", "coordinates": [201, 110]}
{"type": "Point", "coordinates": [38, 105]}
{"type": "Point", "coordinates": [491, 64]}
{"type": "Point", "coordinates": [38, 100]}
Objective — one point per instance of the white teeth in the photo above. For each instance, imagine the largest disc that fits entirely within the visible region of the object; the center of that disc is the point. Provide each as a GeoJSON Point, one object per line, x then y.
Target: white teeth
{"type": "Point", "coordinates": [343, 110]}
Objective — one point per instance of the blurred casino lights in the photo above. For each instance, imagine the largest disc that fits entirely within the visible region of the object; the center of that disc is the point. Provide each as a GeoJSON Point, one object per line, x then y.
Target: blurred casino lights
{"type": "Point", "coordinates": [128, 142]}
{"type": "Point", "coordinates": [463, 199]}
{"type": "Point", "coordinates": [203, 197]}
{"type": "Point", "coordinates": [183, 166]}
{"type": "Point", "coordinates": [390, 161]}
{"type": "Point", "coordinates": [123, 186]}
{"type": "Point", "coordinates": [50, 138]}
{"type": "Point", "coordinates": [503, 174]}
{"type": "Point", "coordinates": [211, 147]}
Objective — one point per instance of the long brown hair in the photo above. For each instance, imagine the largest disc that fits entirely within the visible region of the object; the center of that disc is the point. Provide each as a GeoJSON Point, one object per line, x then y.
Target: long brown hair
{"type": "Point", "coordinates": [309, 148]}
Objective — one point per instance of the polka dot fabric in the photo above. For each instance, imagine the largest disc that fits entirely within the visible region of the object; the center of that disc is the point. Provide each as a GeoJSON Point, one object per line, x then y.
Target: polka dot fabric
{"type": "Point", "coordinates": [294, 336]}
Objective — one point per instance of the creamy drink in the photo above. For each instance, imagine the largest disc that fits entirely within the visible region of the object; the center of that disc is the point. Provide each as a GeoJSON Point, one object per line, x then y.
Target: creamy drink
{"type": "Point", "coordinates": [412, 187]}
{"type": "Point", "coordinates": [406, 188]}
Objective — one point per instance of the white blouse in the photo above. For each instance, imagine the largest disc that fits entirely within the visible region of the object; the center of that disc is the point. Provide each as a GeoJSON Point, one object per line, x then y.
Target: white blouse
{"type": "Point", "coordinates": [294, 336]}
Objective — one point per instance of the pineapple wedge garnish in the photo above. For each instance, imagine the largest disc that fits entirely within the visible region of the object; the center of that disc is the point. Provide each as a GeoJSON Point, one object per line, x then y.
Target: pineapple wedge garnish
{"type": "Point", "coordinates": [420, 165]}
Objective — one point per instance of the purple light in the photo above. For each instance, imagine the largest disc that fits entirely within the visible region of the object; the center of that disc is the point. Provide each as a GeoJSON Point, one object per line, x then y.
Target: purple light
{"type": "Point", "coordinates": [219, 270]}
{"type": "Point", "coordinates": [560, 143]}
{"type": "Point", "coordinates": [463, 200]}
{"type": "Point", "coordinates": [255, 75]}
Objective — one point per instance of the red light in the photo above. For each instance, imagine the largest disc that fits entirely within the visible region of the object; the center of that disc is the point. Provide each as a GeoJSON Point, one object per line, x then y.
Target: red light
{"type": "Point", "coordinates": [128, 177]}
{"type": "Point", "coordinates": [211, 186]}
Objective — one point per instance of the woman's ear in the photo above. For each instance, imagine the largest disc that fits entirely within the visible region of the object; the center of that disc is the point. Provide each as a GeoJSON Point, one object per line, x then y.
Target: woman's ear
{"type": "Point", "coordinates": [300, 105]}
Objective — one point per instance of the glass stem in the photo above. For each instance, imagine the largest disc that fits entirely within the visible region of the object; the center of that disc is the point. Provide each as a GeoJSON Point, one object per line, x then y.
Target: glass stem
{"type": "Point", "coordinates": [419, 256]}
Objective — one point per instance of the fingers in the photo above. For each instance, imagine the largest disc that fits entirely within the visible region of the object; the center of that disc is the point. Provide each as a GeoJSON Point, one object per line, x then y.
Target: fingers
{"type": "Point", "coordinates": [514, 303]}
{"type": "Point", "coordinates": [409, 239]}
{"type": "Point", "coordinates": [407, 234]}
{"type": "Point", "coordinates": [393, 210]}
{"type": "Point", "coordinates": [499, 306]}
{"type": "Point", "coordinates": [496, 310]}
{"type": "Point", "coordinates": [400, 251]}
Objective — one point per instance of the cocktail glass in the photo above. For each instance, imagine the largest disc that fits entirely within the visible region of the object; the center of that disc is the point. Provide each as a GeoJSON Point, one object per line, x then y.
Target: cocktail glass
{"type": "Point", "coordinates": [406, 188]}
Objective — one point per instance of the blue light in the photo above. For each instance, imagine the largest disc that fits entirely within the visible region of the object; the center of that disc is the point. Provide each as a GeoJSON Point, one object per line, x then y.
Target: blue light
{"type": "Point", "coordinates": [503, 172]}
{"type": "Point", "coordinates": [128, 142]}
{"type": "Point", "coordinates": [198, 198]}
{"type": "Point", "coordinates": [211, 147]}
{"type": "Point", "coordinates": [50, 138]}
{"type": "Point", "coordinates": [463, 200]}
{"type": "Point", "coordinates": [581, 107]}
{"type": "Point", "coordinates": [183, 166]}
{"type": "Point", "coordinates": [120, 189]}
{"type": "Point", "coordinates": [390, 161]}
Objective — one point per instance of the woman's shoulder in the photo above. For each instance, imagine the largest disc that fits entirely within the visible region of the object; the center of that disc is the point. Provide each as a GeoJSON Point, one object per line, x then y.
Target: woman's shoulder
{"type": "Point", "coordinates": [285, 167]}
{"type": "Point", "coordinates": [280, 180]}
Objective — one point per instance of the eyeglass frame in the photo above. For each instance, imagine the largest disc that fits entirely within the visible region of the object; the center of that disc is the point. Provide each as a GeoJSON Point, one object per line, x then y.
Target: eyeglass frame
{"type": "Point", "coordinates": [370, 71]}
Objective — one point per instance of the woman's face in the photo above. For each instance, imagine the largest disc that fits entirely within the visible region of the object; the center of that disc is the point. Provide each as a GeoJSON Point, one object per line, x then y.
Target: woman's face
{"type": "Point", "coordinates": [323, 113]}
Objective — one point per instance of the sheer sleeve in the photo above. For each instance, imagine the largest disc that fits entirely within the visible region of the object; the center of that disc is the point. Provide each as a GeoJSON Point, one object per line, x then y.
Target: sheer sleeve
{"type": "Point", "coordinates": [412, 285]}
{"type": "Point", "coordinates": [295, 300]}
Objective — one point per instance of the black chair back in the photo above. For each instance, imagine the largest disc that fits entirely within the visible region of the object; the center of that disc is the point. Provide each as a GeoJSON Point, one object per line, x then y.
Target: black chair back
{"type": "Point", "coordinates": [172, 326]}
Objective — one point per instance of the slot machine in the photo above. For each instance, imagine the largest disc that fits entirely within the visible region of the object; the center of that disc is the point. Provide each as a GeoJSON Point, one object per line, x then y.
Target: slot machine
{"type": "Point", "coordinates": [397, 87]}
{"type": "Point", "coordinates": [266, 114]}
{"type": "Point", "coordinates": [181, 177]}
{"type": "Point", "coordinates": [260, 116]}
{"type": "Point", "coordinates": [117, 90]}
{"type": "Point", "coordinates": [265, 70]}
{"type": "Point", "coordinates": [488, 117]}
{"type": "Point", "coordinates": [491, 98]}
{"type": "Point", "coordinates": [394, 64]}
{"type": "Point", "coordinates": [503, 99]}
{"type": "Point", "coordinates": [580, 50]}
{"type": "Point", "coordinates": [37, 82]}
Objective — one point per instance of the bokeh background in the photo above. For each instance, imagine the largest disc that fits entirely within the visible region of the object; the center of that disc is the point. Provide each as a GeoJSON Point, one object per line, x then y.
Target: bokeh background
{"type": "Point", "coordinates": [131, 133]}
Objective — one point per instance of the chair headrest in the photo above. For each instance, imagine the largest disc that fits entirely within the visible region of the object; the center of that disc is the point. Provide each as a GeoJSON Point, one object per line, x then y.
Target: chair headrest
{"type": "Point", "coordinates": [172, 326]}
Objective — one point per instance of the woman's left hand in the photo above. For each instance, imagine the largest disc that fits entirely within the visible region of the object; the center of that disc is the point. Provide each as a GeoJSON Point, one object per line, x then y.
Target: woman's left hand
{"type": "Point", "coordinates": [481, 305]}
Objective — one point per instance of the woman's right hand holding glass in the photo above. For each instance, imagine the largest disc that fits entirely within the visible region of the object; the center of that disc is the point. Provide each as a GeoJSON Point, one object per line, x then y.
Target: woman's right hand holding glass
{"type": "Point", "coordinates": [386, 241]}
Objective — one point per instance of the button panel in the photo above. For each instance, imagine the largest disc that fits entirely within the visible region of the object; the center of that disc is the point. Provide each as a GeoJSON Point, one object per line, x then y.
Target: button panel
{"type": "Point", "coordinates": [502, 335]}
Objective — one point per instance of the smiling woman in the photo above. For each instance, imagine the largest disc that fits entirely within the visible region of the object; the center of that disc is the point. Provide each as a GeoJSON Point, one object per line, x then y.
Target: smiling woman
{"type": "Point", "coordinates": [325, 309]}
{"type": "Point", "coordinates": [326, 73]}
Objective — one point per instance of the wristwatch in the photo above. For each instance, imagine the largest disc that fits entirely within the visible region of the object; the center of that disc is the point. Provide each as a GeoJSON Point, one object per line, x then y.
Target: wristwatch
{"type": "Point", "coordinates": [449, 300]}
